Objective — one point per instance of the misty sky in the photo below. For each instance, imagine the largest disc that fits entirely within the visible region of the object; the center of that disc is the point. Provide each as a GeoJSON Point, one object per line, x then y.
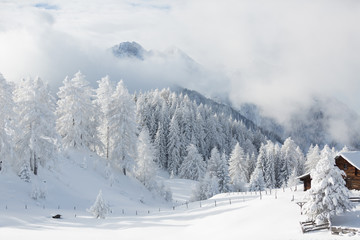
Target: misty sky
{"type": "Point", "coordinates": [278, 54]}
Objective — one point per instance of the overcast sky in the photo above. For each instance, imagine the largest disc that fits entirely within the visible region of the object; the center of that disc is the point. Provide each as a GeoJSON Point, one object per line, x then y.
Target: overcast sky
{"type": "Point", "coordinates": [278, 54]}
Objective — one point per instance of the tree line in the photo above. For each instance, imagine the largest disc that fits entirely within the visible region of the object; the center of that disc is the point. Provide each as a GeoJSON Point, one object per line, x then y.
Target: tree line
{"type": "Point", "coordinates": [139, 133]}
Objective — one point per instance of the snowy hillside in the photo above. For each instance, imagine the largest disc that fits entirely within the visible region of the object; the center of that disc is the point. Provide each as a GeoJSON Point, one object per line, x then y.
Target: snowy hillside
{"type": "Point", "coordinates": [228, 215]}
{"type": "Point", "coordinates": [70, 190]}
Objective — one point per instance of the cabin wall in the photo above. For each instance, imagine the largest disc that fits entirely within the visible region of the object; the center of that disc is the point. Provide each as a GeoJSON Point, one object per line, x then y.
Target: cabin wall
{"type": "Point", "coordinates": [352, 174]}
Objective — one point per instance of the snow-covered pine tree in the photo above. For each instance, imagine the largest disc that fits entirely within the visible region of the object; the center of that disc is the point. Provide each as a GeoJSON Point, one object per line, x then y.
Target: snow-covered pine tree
{"type": "Point", "coordinates": [193, 166]}
{"type": "Point", "coordinates": [300, 162]}
{"type": "Point", "coordinates": [326, 152]}
{"type": "Point", "coordinates": [99, 209]}
{"type": "Point", "coordinates": [199, 132]}
{"type": "Point", "coordinates": [344, 149]}
{"type": "Point", "coordinates": [238, 168]}
{"type": "Point", "coordinates": [160, 144]}
{"type": "Point", "coordinates": [38, 142]}
{"type": "Point", "coordinates": [289, 159]}
{"type": "Point", "coordinates": [145, 170]}
{"type": "Point", "coordinates": [269, 166]}
{"type": "Point", "coordinates": [328, 195]}
{"type": "Point", "coordinates": [251, 163]}
{"type": "Point", "coordinates": [257, 182]}
{"type": "Point", "coordinates": [103, 100]}
{"type": "Point", "coordinates": [293, 180]}
{"type": "Point", "coordinates": [76, 122]}
{"type": "Point", "coordinates": [122, 127]}
{"type": "Point", "coordinates": [277, 162]}
{"type": "Point", "coordinates": [312, 158]}
{"type": "Point", "coordinates": [174, 147]}
{"type": "Point", "coordinates": [223, 174]}
{"type": "Point", "coordinates": [261, 158]}
{"type": "Point", "coordinates": [217, 166]}
{"type": "Point", "coordinates": [208, 187]}
{"type": "Point", "coordinates": [6, 126]}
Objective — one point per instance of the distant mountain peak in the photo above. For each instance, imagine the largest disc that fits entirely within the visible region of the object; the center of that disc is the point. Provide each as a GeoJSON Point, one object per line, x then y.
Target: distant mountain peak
{"type": "Point", "coordinates": [129, 50]}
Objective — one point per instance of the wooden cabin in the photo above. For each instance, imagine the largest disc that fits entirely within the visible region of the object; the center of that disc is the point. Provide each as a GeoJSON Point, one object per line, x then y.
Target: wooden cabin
{"type": "Point", "coordinates": [349, 162]}
{"type": "Point", "coordinates": [306, 179]}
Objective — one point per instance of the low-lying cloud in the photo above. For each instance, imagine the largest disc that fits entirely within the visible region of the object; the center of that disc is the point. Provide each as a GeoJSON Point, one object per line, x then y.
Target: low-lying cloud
{"type": "Point", "coordinates": [278, 54]}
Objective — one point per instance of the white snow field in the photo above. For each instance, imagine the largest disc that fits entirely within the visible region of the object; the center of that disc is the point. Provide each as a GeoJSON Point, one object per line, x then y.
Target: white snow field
{"type": "Point", "coordinates": [74, 189]}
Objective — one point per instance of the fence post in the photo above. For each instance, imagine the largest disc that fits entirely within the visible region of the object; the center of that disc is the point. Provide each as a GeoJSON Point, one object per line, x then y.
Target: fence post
{"type": "Point", "coordinates": [200, 203]}
{"type": "Point", "coordinates": [215, 203]}
{"type": "Point", "coordinates": [230, 200]}
{"type": "Point", "coordinates": [136, 212]}
{"type": "Point", "coordinates": [260, 195]}
{"type": "Point", "coordinates": [25, 206]}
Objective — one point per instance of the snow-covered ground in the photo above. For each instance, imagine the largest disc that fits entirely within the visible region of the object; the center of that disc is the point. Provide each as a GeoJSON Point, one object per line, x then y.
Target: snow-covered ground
{"type": "Point", "coordinates": [139, 214]}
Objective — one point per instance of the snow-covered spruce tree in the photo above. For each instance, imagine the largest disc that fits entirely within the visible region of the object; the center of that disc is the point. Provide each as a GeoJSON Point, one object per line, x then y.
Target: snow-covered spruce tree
{"type": "Point", "coordinates": [289, 159]}
{"type": "Point", "coordinates": [103, 100]}
{"type": "Point", "coordinates": [328, 195]}
{"type": "Point", "coordinates": [6, 126]}
{"type": "Point", "coordinates": [217, 166]}
{"type": "Point", "coordinates": [76, 121]}
{"type": "Point", "coordinates": [277, 163]}
{"type": "Point", "coordinates": [293, 180]}
{"type": "Point", "coordinates": [199, 132]}
{"type": "Point", "coordinates": [251, 163]}
{"type": "Point", "coordinates": [160, 145]}
{"type": "Point", "coordinates": [193, 166]}
{"type": "Point", "coordinates": [269, 166]}
{"type": "Point", "coordinates": [174, 147]}
{"type": "Point", "coordinates": [223, 174]}
{"type": "Point", "coordinates": [122, 127]}
{"type": "Point", "coordinates": [208, 187]}
{"type": "Point", "coordinates": [300, 162]}
{"type": "Point", "coordinates": [37, 144]}
{"type": "Point", "coordinates": [145, 170]}
{"type": "Point", "coordinates": [99, 209]}
{"type": "Point", "coordinates": [312, 158]}
{"type": "Point", "coordinates": [257, 182]}
{"type": "Point", "coordinates": [238, 168]}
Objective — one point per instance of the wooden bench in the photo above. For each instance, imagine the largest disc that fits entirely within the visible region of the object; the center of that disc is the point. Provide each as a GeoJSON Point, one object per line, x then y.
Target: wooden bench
{"type": "Point", "coordinates": [312, 226]}
{"type": "Point", "coordinates": [354, 199]}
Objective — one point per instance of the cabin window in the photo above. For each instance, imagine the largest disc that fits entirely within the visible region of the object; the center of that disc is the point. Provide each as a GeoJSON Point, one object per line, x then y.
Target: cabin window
{"type": "Point", "coordinates": [345, 166]}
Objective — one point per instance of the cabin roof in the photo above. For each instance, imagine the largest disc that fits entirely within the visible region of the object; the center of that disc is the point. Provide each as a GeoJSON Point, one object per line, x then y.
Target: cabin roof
{"type": "Point", "coordinates": [352, 157]}
{"type": "Point", "coordinates": [302, 177]}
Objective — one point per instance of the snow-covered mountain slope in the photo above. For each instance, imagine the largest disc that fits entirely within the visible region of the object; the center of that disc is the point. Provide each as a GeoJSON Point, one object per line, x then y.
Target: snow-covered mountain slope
{"type": "Point", "coordinates": [218, 107]}
{"type": "Point", "coordinates": [323, 121]}
{"type": "Point", "coordinates": [70, 190]}
{"type": "Point", "coordinates": [230, 216]}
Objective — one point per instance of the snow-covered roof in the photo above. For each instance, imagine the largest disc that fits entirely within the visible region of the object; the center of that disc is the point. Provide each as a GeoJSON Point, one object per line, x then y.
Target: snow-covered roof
{"type": "Point", "coordinates": [352, 157]}
{"type": "Point", "coordinates": [303, 176]}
